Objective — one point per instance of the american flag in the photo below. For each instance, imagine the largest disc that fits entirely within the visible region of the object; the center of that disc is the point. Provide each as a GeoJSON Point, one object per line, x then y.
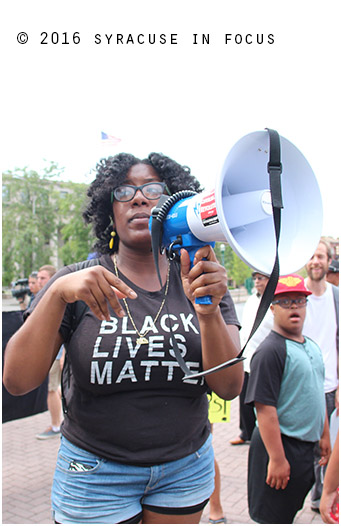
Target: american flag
{"type": "Point", "coordinates": [109, 139]}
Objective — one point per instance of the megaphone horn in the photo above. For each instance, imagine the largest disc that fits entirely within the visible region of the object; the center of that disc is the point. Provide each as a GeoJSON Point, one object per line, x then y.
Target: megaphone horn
{"type": "Point", "coordinates": [265, 220]}
{"type": "Point", "coordinates": [238, 210]}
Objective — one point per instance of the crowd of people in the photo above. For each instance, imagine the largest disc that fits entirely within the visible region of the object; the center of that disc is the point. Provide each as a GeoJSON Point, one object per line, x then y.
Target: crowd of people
{"type": "Point", "coordinates": [126, 343]}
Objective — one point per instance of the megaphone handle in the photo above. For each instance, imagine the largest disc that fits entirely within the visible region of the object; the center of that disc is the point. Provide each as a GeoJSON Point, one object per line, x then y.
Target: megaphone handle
{"type": "Point", "coordinates": [202, 300]}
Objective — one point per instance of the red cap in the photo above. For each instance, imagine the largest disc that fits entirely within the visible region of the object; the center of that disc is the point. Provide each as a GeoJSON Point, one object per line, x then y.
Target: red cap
{"type": "Point", "coordinates": [291, 283]}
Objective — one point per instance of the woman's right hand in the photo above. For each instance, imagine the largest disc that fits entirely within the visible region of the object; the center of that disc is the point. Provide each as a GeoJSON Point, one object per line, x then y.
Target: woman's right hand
{"type": "Point", "coordinates": [96, 286]}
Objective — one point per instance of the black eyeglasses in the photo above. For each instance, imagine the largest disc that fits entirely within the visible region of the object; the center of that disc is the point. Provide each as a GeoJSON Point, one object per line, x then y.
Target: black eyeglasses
{"type": "Point", "coordinates": [260, 278]}
{"type": "Point", "coordinates": [286, 303]}
{"type": "Point", "coordinates": [127, 192]}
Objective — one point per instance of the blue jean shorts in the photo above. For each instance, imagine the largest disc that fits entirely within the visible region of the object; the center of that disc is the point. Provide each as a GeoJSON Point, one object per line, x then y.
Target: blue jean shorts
{"type": "Point", "coordinates": [90, 489]}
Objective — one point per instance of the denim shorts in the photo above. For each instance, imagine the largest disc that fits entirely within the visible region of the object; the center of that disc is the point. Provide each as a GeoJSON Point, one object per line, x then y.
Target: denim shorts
{"type": "Point", "coordinates": [90, 489]}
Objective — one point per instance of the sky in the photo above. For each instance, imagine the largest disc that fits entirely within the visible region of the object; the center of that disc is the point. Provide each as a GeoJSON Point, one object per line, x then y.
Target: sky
{"type": "Point", "coordinates": [190, 101]}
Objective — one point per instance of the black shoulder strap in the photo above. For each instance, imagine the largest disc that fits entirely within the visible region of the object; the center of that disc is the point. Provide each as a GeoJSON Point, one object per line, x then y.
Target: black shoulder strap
{"type": "Point", "coordinates": [336, 302]}
{"type": "Point", "coordinates": [274, 168]}
{"type": "Point", "coordinates": [78, 309]}
{"type": "Point", "coordinates": [87, 263]}
{"type": "Point", "coordinates": [335, 290]}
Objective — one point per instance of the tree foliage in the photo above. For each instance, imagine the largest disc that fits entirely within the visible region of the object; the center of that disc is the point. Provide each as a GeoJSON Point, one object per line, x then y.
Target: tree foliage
{"type": "Point", "coordinates": [76, 236]}
{"type": "Point", "coordinates": [41, 221]}
{"type": "Point", "coordinates": [237, 270]}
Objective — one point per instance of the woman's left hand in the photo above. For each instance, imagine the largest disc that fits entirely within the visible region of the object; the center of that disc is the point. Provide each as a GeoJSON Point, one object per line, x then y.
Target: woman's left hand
{"type": "Point", "coordinates": [206, 278]}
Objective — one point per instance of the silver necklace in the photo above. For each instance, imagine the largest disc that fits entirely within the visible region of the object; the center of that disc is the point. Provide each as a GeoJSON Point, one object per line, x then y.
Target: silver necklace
{"type": "Point", "coordinates": [142, 337]}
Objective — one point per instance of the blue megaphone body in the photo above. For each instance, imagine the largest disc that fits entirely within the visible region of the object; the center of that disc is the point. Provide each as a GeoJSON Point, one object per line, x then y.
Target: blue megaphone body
{"type": "Point", "coordinates": [176, 229]}
{"type": "Point", "coordinates": [176, 226]}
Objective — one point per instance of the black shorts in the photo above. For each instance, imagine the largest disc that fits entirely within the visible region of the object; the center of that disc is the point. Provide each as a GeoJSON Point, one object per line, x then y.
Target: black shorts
{"type": "Point", "coordinates": [268, 505]}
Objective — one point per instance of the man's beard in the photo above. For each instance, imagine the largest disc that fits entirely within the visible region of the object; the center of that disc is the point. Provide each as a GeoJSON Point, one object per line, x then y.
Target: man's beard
{"type": "Point", "coordinates": [317, 274]}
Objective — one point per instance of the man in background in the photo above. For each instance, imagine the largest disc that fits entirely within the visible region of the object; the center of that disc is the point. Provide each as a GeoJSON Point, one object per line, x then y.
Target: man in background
{"type": "Point", "coordinates": [322, 326]}
{"type": "Point", "coordinates": [33, 285]}
{"type": "Point", "coordinates": [25, 301]}
{"type": "Point", "coordinates": [45, 273]}
{"type": "Point", "coordinates": [286, 389]}
{"type": "Point", "coordinates": [54, 403]}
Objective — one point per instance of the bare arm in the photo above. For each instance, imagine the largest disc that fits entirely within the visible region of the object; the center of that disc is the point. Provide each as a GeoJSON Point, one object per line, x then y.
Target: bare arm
{"type": "Point", "coordinates": [330, 495]}
{"type": "Point", "coordinates": [33, 348]}
{"type": "Point", "coordinates": [220, 342]}
{"type": "Point", "coordinates": [278, 474]}
{"type": "Point", "coordinates": [325, 446]}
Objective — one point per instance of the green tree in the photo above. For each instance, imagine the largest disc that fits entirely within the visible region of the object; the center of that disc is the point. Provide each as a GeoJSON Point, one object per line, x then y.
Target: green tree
{"type": "Point", "coordinates": [237, 270]}
{"type": "Point", "coordinates": [28, 221]}
{"type": "Point", "coordinates": [75, 236]}
{"type": "Point", "coordinates": [240, 271]}
{"type": "Point", "coordinates": [41, 220]}
{"type": "Point", "coordinates": [224, 256]}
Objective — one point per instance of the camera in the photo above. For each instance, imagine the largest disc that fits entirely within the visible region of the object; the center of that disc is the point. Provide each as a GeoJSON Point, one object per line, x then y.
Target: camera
{"type": "Point", "coordinates": [20, 288]}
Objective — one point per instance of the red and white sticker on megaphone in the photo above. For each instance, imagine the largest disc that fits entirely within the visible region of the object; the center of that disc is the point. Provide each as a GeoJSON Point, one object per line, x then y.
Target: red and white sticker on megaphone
{"type": "Point", "coordinates": [208, 209]}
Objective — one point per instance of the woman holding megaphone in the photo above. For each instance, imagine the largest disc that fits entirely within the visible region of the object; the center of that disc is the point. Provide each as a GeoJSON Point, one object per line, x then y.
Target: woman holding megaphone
{"type": "Point", "coordinates": [136, 442]}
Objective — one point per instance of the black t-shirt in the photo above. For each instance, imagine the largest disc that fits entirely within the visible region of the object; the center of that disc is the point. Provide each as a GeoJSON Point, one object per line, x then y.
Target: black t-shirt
{"type": "Point", "coordinates": [127, 402]}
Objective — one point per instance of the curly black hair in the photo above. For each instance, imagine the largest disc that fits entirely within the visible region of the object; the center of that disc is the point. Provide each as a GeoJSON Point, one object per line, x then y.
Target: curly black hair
{"type": "Point", "coordinates": [112, 172]}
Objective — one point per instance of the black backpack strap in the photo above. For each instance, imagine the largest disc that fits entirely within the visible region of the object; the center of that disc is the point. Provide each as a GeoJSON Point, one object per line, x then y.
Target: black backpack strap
{"type": "Point", "coordinates": [336, 302]}
{"type": "Point", "coordinates": [335, 290]}
{"type": "Point", "coordinates": [87, 263]}
{"type": "Point", "coordinates": [78, 310]}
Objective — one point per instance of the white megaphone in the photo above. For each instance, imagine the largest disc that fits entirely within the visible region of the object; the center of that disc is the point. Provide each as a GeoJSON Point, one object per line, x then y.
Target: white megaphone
{"type": "Point", "coordinates": [239, 209]}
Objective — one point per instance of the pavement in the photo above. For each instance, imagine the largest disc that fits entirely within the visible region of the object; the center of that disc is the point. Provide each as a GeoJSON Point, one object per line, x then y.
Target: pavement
{"type": "Point", "coordinates": [28, 467]}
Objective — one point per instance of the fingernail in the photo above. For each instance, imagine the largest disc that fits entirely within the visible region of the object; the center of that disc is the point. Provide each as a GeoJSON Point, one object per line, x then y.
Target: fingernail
{"type": "Point", "coordinates": [132, 294]}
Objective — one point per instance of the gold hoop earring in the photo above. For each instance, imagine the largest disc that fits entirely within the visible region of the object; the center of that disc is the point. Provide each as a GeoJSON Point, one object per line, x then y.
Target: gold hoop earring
{"type": "Point", "coordinates": [111, 242]}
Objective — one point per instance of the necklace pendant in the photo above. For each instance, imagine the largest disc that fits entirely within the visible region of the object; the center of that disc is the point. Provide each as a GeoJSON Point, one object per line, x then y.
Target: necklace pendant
{"type": "Point", "coordinates": [142, 340]}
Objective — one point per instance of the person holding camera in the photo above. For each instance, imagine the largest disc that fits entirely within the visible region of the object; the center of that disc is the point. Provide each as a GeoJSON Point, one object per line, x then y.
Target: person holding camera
{"type": "Point", "coordinates": [24, 288]}
{"type": "Point", "coordinates": [22, 298]}
{"type": "Point", "coordinates": [19, 291]}
{"type": "Point", "coordinates": [33, 285]}
{"type": "Point", "coordinates": [136, 442]}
